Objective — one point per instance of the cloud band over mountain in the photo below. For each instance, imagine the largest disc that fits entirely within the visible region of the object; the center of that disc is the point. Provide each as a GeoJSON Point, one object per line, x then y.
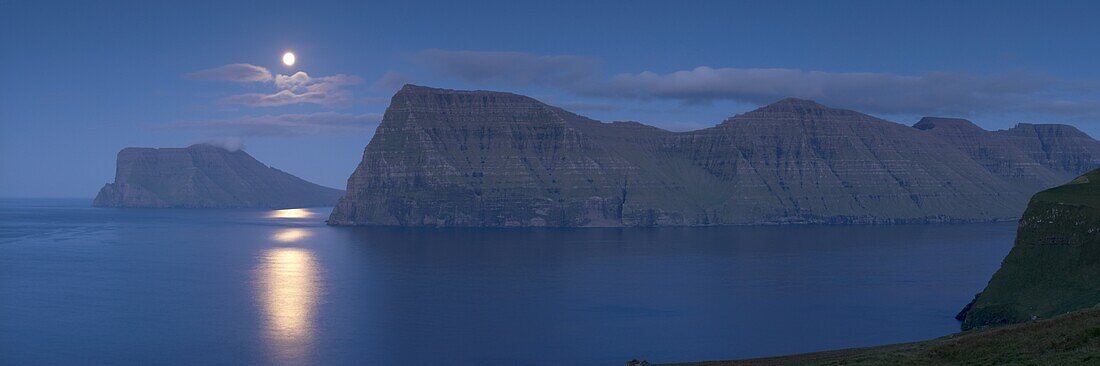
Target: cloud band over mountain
{"type": "Point", "coordinates": [921, 94]}
{"type": "Point", "coordinates": [283, 125]}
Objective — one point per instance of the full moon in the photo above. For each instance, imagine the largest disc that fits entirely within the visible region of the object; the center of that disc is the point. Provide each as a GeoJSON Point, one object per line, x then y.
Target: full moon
{"type": "Point", "coordinates": [288, 59]}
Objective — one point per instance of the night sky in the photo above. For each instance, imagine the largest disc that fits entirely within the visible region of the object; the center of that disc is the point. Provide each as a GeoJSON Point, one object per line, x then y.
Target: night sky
{"type": "Point", "coordinates": [83, 80]}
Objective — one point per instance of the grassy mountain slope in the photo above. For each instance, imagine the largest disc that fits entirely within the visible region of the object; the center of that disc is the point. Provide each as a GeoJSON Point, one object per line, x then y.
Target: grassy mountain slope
{"type": "Point", "coordinates": [1054, 267]}
{"type": "Point", "coordinates": [1071, 339]}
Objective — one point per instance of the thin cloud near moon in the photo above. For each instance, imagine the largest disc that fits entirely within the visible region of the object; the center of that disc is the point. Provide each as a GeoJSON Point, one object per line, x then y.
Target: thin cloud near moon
{"type": "Point", "coordinates": [298, 88]}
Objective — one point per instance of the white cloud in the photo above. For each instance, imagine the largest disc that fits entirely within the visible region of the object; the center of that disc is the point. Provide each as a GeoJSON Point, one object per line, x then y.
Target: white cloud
{"type": "Point", "coordinates": [920, 94]}
{"type": "Point", "coordinates": [297, 88]}
{"type": "Point", "coordinates": [301, 88]}
{"type": "Point", "coordinates": [230, 144]}
{"type": "Point", "coordinates": [241, 73]}
{"type": "Point", "coordinates": [284, 124]}
{"type": "Point", "coordinates": [328, 91]}
{"type": "Point", "coordinates": [298, 80]}
{"type": "Point", "coordinates": [282, 97]}
{"type": "Point", "coordinates": [517, 68]}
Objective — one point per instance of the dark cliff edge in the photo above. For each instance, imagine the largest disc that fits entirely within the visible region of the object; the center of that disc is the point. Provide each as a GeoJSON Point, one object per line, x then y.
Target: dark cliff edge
{"type": "Point", "coordinates": [205, 176]}
{"type": "Point", "coordinates": [1070, 339]}
{"type": "Point", "coordinates": [1054, 267]}
{"type": "Point", "coordinates": [491, 159]}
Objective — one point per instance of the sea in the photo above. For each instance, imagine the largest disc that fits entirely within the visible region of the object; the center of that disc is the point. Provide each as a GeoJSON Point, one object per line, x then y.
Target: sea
{"type": "Point", "coordinates": [106, 286]}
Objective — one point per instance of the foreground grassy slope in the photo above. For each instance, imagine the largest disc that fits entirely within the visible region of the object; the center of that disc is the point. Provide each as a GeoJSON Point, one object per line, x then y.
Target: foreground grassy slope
{"type": "Point", "coordinates": [1054, 268]}
{"type": "Point", "coordinates": [1070, 339]}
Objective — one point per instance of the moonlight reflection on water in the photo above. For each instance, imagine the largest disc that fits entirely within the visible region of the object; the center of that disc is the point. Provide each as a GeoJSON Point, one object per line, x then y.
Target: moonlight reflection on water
{"type": "Point", "coordinates": [290, 235]}
{"type": "Point", "coordinates": [291, 213]}
{"type": "Point", "coordinates": [288, 293]}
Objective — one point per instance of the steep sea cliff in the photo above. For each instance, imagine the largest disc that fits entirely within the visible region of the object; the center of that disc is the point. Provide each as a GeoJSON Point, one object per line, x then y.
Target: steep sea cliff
{"type": "Point", "coordinates": [1054, 267]}
{"type": "Point", "coordinates": [490, 159]}
{"type": "Point", "coordinates": [205, 176]}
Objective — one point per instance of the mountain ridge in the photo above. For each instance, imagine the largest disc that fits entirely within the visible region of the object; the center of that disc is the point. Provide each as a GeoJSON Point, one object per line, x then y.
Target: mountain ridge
{"type": "Point", "coordinates": [445, 157]}
{"type": "Point", "coordinates": [205, 176]}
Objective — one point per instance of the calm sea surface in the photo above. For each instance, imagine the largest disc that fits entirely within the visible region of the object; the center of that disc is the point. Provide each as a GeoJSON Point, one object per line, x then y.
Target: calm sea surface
{"type": "Point", "coordinates": [82, 285]}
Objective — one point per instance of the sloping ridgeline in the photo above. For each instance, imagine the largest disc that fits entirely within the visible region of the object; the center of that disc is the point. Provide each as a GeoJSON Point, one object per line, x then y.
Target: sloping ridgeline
{"type": "Point", "coordinates": [479, 158]}
{"type": "Point", "coordinates": [1054, 267]}
{"type": "Point", "coordinates": [205, 176]}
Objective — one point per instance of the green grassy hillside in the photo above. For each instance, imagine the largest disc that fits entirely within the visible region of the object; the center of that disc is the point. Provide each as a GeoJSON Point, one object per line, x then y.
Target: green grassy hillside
{"type": "Point", "coordinates": [1054, 267]}
{"type": "Point", "coordinates": [1070, 339]}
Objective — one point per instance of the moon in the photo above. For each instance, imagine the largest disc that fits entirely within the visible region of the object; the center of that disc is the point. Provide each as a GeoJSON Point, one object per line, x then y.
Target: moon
{"type": "Point", "coordinates": [288, 59]}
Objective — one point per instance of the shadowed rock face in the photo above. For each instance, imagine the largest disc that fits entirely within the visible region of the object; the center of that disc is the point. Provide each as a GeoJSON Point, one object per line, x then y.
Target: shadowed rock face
{"type": "Point", "coordinates": [204, 176]}
{"type": "Point", "coordinates": [478, 158]}
{"type": "Point", "coordinates": [1031, 156]}
{"type": "Point", "coordinates": [1054, 268]}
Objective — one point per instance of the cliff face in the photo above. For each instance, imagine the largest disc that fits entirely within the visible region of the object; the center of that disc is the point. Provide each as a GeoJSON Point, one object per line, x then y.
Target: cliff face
{"type": "Point", "coordinates": [486, 159]}
{"type": "Point", "coordinates": [1033, 156]}
{"type": "Point", "coordinates": [1054, 268]}
{"type": "Point", "coordinates": [477, 158]}
{"type": "Point", "coordinates": [204, 176]}
{"type": "Point", "coordinates": [1061, 148]}
{"type": "Point", "coordinates": [799, 161]}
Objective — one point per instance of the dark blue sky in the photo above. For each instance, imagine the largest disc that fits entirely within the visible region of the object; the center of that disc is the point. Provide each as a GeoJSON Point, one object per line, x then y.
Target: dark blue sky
{"type": "Point", "coordinates": [83, 80]}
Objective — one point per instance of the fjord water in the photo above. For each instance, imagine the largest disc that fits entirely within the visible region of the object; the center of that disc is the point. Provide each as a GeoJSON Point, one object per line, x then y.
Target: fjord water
{"type": "Point", "coordinates": [82, 285]}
